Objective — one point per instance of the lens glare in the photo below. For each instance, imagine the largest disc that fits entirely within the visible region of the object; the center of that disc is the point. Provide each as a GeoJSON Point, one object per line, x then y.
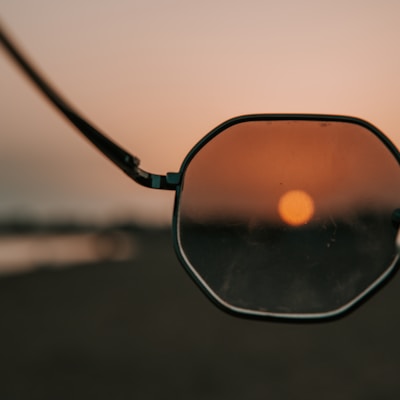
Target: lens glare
{"type": "Point", "coordinates": [289, 217]}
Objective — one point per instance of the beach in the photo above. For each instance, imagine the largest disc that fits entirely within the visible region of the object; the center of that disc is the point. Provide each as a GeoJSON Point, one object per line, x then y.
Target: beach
{"type": "Point", "coordinates": [140, 329]}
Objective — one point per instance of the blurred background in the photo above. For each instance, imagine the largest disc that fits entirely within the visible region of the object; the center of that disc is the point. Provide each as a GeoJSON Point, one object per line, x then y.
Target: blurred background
{"type": "Point", "coordinates": [156, 76]}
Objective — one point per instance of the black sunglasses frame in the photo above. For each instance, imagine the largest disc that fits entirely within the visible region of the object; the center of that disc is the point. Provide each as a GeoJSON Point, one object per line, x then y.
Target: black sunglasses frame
{"type": "Point", "coordinates": [173, 180]}
{"type": "Point", "coordinates": [333, 315]}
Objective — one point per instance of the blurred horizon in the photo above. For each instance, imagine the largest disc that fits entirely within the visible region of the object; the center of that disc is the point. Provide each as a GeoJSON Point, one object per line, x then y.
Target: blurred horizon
{"type": "Point", "coordinates": [157, 76]}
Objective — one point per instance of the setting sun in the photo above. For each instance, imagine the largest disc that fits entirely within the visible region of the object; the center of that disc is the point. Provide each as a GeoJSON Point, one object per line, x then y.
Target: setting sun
{"type": "Point", "coordinates": [296, 207]}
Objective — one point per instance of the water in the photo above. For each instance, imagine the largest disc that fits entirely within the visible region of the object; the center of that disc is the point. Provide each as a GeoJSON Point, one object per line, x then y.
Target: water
{"type": "Point", "coordinates": [21, 253]}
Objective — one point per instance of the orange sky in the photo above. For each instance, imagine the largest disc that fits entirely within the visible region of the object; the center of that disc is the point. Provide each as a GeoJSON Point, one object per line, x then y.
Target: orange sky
{"type": "Point", "coordinates": [342, 166]}
{"type": "Point", "coordinates": [157, 76]}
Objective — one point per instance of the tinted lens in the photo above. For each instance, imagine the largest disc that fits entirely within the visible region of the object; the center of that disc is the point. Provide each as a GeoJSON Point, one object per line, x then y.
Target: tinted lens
{"type": "Point", "coordinates": [291, 217]}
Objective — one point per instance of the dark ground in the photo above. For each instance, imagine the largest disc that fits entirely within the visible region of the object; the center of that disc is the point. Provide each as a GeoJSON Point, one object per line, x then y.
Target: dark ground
{"type": "Point", "coordinates": [142, 330]}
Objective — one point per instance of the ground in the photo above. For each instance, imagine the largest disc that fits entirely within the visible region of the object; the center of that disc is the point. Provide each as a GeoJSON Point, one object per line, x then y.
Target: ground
{"type": "Point", "coordinates": [142, 330]}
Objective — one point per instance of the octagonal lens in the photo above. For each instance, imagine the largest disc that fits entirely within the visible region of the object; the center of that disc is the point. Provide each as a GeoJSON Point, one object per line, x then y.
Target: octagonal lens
{"type": "Point", "coordinates": [291, 217]}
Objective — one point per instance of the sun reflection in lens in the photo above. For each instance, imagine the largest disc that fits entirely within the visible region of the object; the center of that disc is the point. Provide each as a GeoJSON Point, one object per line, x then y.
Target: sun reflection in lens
{"type": "Point", "coordinates": [296, 207]}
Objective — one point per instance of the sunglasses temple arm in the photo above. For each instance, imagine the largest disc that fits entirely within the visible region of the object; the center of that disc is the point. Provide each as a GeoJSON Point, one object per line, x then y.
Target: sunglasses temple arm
{"type": "Point", "coordinates": [124, 160]}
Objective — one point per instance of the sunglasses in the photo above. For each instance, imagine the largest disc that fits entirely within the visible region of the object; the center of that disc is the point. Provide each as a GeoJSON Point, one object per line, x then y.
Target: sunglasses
{"type": "Point", "coordinates": [276, 216]}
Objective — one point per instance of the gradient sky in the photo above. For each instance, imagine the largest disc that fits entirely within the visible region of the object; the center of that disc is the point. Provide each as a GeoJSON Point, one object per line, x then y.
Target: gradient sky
{"type": "Point", "coordinates": [156, 76]}
{"type": "Point", "coordinates": [247, 186]}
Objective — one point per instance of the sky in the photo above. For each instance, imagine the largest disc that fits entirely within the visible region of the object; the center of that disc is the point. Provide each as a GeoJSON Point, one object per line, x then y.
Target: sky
{"type": "Point", "coordinates": [156, 76]}
{"type": "Point", "coordinates": [309, 157]}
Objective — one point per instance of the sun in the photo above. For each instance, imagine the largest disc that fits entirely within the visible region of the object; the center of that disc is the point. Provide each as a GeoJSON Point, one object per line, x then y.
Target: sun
{"type": "Point", "coordinates": [296, 207]}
